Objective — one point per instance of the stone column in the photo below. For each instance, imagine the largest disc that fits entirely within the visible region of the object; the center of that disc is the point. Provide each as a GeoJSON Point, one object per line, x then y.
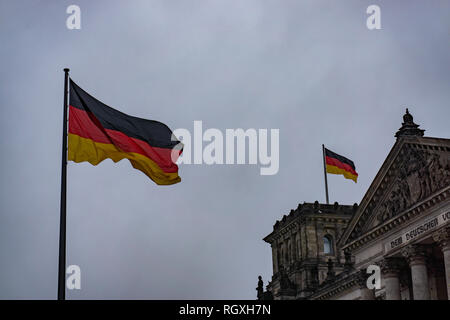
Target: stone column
{"type": "Point", "coordinates": [390, 268]}
{"type": "Point", "coordinates": [366, 293]}
{"type": "Point", "coordinates": [293, 247]}
{"type": "Point", "coordinates": [416, 256]}
{"type": "Point", "coordinates": [433, 281]}
{"type": "Point", "coordinates": [311, 240]}
{"type": "Point", "coordinates": [303, 242]}
{"type": "Point", "coordinates": [337, 236]}
{"type": "Point", "coordinates": [289, 252]}
{"type": "Point", "coordinates": [442, 237]}
{"type": "Point", "coordinates": [274, 257]}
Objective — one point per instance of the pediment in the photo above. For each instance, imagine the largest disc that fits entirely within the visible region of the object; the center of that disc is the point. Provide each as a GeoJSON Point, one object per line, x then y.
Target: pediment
{"type": "Point", "coordinates": [416, 168]}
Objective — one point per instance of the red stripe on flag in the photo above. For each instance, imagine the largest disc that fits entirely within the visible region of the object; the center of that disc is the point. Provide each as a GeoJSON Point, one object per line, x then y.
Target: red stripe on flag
{"type": "Point", "coordinates": [335, 162]}
{"type": "Point", "coordinates": [84, 124]}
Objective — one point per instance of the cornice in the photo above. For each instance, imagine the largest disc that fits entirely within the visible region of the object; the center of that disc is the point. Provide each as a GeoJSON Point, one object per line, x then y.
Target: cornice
{"type": "Point", "coordinates": [336, 287]}
{"type": "Point", "coordinates": [294, 225]}
{"type": "Point", "coordinates": [311, 212]}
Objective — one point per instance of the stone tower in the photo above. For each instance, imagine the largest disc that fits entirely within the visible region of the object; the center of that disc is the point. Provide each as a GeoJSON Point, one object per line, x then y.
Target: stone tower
{"type": "Point", "coordinates": [304, 246]}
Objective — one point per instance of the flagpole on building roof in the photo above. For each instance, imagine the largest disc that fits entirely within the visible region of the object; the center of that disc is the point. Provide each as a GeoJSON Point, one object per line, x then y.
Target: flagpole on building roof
{"type": "Point", "coordinates": [325, 173]}
{"type": "Point", "coordinates": [62, 222]}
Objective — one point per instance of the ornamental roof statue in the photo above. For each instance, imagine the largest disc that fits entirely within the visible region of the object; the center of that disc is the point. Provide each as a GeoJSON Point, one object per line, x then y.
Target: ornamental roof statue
{"type": "Point", "coordinates": [409, 128]}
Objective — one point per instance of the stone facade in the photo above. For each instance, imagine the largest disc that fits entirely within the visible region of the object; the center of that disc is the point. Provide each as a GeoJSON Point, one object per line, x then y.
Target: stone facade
{"type": "Point", "coordinates": [302, 244]}
{"type": "Point", "coordinates": [401, 225]}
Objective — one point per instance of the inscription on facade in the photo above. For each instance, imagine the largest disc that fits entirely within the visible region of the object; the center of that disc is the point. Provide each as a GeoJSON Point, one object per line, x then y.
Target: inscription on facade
{"type": "Point", "coordinates": [418, 230]}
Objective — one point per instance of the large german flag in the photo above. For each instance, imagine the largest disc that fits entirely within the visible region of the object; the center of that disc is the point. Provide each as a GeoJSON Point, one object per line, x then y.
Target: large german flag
{"type": "Point", "coordinates": [97, 132]}
{"type": "Point", "coordinates": [338, 164]}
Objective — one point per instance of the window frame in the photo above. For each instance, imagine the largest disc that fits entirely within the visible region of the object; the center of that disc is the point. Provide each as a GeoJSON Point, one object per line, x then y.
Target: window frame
{"type": "Point", "coordinates": [330, 240]}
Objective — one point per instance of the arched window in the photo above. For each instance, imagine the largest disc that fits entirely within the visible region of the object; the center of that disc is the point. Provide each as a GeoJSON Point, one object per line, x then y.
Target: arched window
{"type": "Point", "coordinates": [328, 244]}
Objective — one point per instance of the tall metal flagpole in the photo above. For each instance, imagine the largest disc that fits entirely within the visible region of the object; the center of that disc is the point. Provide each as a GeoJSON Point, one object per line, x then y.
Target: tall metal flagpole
{"type": "Point", "coordinates": [62, 222]}
{"type": "Point", "coordinates": [325, 173]}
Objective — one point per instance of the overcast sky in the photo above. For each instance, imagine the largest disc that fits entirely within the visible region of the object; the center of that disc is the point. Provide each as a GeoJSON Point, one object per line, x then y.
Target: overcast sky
{"type": "Point", "coordinates": [311, 69]}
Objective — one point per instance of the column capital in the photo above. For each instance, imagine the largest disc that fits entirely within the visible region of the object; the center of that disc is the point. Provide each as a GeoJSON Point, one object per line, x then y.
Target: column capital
{"type": "Point", "coordinates": [415, 254]}
{"type": "Point", "coordinates": [442, 237]}
{"type": "Point", "coordinates": [390, 266]}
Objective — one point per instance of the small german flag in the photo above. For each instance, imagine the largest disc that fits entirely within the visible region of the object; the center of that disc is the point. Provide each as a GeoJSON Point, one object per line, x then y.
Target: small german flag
{"type": "Point", "coordinates": [338, 164]}
{"type": "Point", "coordinates": [97, 132]}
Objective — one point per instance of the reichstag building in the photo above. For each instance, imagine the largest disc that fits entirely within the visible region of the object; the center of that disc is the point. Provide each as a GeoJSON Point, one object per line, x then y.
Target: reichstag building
{"type": "Point", "coordinates": [322, 251]}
